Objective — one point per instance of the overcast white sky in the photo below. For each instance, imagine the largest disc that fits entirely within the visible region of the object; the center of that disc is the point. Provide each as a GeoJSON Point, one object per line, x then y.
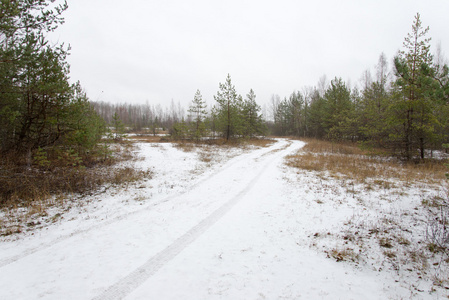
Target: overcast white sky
{"type": "Point", "coordinates": [138, 50]}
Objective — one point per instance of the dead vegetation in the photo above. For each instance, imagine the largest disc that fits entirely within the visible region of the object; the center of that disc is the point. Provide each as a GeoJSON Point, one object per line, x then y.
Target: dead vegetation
{"type": "Point", "coordinates": [207, 149]}
{"type": "Point", "coordinates": [400, 210]}
{"type": "Point", "coordinates": [188, 145]}
{"type": "Point", "coordinates": [148, 138]}
{"type": "Point", "coordinates": [56, 173]}
{"type": "Point", "coordinates": [346, 254]}
{"type": "Point", "coordinates": [350, 161]}
{"type": "Point", "coordinates": [28, 190]}
{"type": "Point", "coordinates": [214, 150]}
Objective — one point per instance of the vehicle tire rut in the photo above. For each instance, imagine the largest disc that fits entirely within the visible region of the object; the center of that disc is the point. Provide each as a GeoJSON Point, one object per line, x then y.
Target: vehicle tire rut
{"type": "Point", "coordinates": [9, 260]}
{"type": "Point", "coordinates": [129, 283]}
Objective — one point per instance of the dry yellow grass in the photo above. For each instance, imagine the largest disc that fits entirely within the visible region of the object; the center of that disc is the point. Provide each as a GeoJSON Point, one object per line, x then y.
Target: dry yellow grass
{"type": "Point", "coordinates": [259, 142]}
{"type": "Point", "coordinates": [189, 146]}
{"type": "Point", "coordinates": [319, 146]}
{"type": "Point", "coordinates": [350, 161]}
{"type": "Point", "coordinates": [146, 138]}
{"type": "Point", "coordinates": [383, 227]}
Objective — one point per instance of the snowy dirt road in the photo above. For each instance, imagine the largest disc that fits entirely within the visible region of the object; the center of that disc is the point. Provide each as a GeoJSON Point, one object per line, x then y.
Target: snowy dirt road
{"type": "Point", "coordinates": [239, 231]}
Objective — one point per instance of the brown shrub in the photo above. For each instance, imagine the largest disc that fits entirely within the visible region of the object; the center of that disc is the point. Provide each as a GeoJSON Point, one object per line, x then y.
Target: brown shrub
{"type": "Point", "coordinates": [23, 182]}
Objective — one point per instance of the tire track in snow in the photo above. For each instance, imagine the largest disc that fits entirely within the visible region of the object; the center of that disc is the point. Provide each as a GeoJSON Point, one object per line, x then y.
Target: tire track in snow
{"type": "Point", "coordinates": [9, 260]}
{"type": "Point", "coordinates": [129, 283]}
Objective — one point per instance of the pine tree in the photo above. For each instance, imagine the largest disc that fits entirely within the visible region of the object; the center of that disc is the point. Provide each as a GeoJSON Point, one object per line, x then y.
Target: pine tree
{"type": "Point", "coordinates": [38, 105]}
{"type": "Point", "coordinates": [119, 127]}
{"type": "Point", "coordinates": [296, 104]}
{"type": "Point", "coordinates": [317, 113]}
{"type": "Point", "coordinates": [227, 110]}
{"type": "Point", "coordinates": [414, 121]}
{"type": "Point", "coordinates": [33, 75]}
{"type": "Point", "coordinates": [86, 126]}
{"type": "Point", "coordinates": [180, 130]}
{"type": "Point", "coordinates": [283, 117]}
{"type": "Point", "coordinates": [198, 114]}
{"type": "Point", "coordinates": [253, 122]}
{"type": "Point", "coordinates": [374, 108]}
{"type": "Point", "coordinates": [338, 107]}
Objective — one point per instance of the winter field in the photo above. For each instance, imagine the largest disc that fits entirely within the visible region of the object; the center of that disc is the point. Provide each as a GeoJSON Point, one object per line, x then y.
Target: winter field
{"type": "Point", "coordinates": [229, 223]}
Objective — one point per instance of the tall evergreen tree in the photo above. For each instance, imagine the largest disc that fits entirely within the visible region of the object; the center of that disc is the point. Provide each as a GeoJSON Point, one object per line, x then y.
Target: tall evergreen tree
{"type": "Point", "coordinates": [290, 115]}
{"type": "Point", "coordinates": [253, 122]}
{"type": "Point", "coordinates": [282, 117]}
{"type": "Point", "coordinates": [296, 103]}
{"type": "Point", "coordinates": [317, 113]}
{"type": "Point", "coordinates": [375, 100]}
{"type": "Point", "coordinates": [227, 110]}
{"type": "Point", "coordinates": [86, 126]}
{"type": "Point", "coordinates": [414, 121]}
{"type": "Point", "coordinates": [338, 107]}
{"type": "Point", "coordinates": [33, 75]}
{"type": "Point", "coordinates": [197, 112]}
{"type": "Point", "coordinates": [37, 102]}
{"type": "Point", "coordinates": [119, 127]}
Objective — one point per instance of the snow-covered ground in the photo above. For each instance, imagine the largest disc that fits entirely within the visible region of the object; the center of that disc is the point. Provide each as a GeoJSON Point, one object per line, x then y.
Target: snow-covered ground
{"type": "Point", "coordinates": [213, 223]}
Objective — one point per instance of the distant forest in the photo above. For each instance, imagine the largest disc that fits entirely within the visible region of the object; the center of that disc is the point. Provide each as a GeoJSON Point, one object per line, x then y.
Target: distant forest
{"type": "Point", "coordinates": [403, 108]}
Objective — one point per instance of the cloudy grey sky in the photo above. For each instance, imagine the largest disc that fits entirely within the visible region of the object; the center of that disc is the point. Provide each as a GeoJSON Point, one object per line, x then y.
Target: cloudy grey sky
{"type": "Point", "coordinates": [157, 50]}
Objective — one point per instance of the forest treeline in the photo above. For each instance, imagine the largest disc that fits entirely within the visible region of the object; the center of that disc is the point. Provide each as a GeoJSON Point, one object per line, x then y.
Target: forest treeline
{"type": "Point", "coordinates": [232, 116]}
{"type": "Point", "coordinates": [403, 109]}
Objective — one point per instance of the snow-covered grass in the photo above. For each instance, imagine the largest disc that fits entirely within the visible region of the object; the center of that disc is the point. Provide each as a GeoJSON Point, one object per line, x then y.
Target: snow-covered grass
{"type": "Point", "coordinates": [219, 222]}
{"type": "Point", "coordinates": [161, 169]}
{"type": "Point", "coordinates": [386, 212]}
{"type": "Point", "coordinates": [39, 196]}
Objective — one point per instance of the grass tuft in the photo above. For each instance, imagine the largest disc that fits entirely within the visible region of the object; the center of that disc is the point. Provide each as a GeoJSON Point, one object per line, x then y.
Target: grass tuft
{"type": "Point", "coordinates": [346, 254]}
